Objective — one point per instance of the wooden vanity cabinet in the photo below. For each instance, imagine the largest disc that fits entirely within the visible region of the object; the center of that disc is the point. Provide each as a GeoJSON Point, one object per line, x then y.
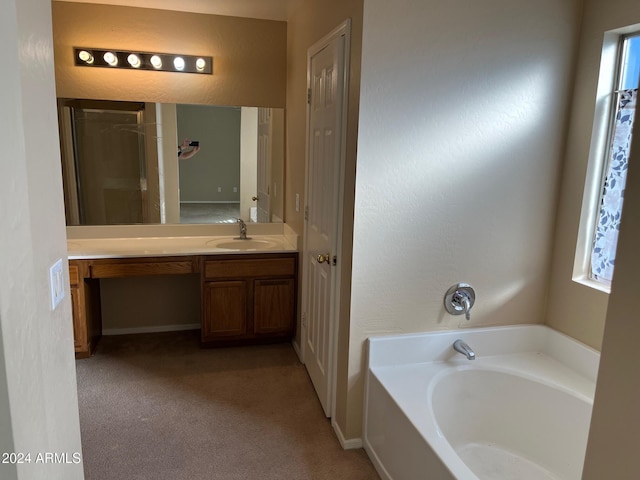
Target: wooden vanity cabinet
{"type": "Point", "coordinates": [247, 298]}
{"type": "Point", "coordinates": [251, 299]}
{"type": "Point", "coordinates": [86, 311]}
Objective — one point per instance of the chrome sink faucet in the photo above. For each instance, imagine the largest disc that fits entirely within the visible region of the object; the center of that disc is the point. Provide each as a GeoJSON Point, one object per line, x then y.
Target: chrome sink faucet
{"type": "Point", "coordinates": [243, 230]}
{"type": "Point", "coordinates": [461, 347]}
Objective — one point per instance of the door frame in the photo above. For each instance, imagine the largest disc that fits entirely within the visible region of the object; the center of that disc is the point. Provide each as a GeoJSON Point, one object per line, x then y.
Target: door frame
{"type": "Point", "coordinates": [344, 29]}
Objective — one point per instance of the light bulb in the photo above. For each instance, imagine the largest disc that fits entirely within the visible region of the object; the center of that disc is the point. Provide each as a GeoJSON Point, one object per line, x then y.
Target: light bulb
{"type": "Point", "coordinates": [111, 59]}
{"type": "Point", "coordinates": [156, 61]}
{"type": "Point", "coordinates": [85, 56]}
{"type": "Point", "coordinates": [200, 64]}
{"type": "Point", "coordinates": [134, 60]}
{"type": "Point", "coordinates": [178, 62]}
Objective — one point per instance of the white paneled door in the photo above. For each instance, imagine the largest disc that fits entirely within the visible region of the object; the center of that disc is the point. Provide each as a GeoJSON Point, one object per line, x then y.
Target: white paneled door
{"type": "Point", "coordinates": [325, 159]}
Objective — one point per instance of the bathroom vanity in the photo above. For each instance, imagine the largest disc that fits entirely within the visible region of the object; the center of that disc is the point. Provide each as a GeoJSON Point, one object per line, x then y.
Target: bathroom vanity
{"type": "Point", "coordinates": [247, 288]}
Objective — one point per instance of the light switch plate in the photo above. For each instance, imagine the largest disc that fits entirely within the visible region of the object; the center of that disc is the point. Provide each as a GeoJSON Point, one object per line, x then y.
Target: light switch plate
{"type": "Point", "coordinates": [56, 284]}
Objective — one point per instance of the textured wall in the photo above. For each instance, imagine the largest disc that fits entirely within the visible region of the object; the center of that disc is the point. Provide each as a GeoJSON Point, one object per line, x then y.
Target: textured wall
{"type": "Point", "coordinates": [38, 359]}
{"type": "Point", "coordinates": [249, 55]}
{"type": "Point", "coordinates": [462, 122]}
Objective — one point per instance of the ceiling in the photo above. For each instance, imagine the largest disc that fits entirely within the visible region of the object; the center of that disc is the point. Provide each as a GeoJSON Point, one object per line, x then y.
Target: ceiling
{"type": "Point", "coordinates": [264, 9]}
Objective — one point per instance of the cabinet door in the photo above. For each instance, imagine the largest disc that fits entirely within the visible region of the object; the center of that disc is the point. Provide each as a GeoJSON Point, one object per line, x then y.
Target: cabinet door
{"type": "Point", "coordinates": [274, 306]}
{"type": "Point", "coordinates": [225, 309]}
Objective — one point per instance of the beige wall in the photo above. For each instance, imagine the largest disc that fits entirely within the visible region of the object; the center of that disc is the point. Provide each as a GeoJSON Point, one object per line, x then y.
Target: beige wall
{"type": "Point", "coordinates": [38, 393]}
{"type": "Point", "coordinates": [308, 24]}
{"type": "Point", "coordinates": [249, 55]}
{"type": "Point", "coordinates": [461, 135]}
{"type": "Point", "coordinates": [612, 450]}
{"type": "Point", "coordinates": [574, 308]}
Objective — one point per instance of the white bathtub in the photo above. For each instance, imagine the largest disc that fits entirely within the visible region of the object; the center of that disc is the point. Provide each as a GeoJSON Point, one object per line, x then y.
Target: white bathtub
{"type": "Point", "coordinates": [521, 410]}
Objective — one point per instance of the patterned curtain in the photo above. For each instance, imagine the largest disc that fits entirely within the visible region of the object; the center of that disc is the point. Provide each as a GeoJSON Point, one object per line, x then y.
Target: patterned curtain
{"type": "Point", "coordinates": [603, 255]}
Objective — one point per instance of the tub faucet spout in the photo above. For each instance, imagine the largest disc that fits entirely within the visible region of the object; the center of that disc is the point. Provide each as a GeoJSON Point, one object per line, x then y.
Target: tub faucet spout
{"type": "Point", "coordinates": [461, 347]}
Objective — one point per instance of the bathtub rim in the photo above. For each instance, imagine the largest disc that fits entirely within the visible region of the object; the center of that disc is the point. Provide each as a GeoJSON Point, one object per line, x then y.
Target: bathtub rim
{"type": "Point", "coordinates": [530, 337]}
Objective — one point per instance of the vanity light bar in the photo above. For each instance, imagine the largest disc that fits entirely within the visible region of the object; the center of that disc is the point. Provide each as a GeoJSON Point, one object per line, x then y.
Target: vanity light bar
{"type": "Point", "coordinates": [162, 62]}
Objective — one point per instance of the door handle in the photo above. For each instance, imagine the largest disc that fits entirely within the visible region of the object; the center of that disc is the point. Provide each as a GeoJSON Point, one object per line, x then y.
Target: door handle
{"type": "Point", "coordinates": [324, 258]}
{"type": "Point", "coordinates": [254, 198]}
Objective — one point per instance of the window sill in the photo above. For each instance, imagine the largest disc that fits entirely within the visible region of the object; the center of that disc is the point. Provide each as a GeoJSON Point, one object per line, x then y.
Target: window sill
{"type": "Point", "coordinates": [588, 282]}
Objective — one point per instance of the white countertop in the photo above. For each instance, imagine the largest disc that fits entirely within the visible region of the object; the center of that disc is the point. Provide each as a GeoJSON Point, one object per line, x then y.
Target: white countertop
{"type": "Point", "coordinates": [92, 248]}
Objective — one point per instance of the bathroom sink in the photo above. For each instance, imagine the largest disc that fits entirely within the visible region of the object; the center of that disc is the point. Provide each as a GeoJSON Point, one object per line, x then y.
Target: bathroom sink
{"type": "Point", "coordinates": [250, 244]}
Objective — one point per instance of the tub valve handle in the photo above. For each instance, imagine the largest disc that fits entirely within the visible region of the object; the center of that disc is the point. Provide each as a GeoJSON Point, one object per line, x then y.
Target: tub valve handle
{"type": "Point", "coordinates": [459, 299]}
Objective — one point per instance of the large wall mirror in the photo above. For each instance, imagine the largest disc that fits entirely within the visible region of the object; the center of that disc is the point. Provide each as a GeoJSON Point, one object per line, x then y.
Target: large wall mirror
{"type": "Point", "coordinates": [121, 163]}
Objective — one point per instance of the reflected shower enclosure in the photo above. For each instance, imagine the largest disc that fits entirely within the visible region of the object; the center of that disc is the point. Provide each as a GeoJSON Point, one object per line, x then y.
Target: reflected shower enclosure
{"type": "Point", "coordinates": [106, 173]}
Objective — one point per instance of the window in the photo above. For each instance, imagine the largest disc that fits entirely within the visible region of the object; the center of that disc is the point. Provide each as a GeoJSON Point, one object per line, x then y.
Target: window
{"type": "Point", "coordinates": [607, 222]}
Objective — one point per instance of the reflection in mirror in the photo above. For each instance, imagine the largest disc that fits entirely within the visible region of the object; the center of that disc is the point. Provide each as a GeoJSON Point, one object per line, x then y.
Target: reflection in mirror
{"type": "Point", "coordinates": [121, 163]}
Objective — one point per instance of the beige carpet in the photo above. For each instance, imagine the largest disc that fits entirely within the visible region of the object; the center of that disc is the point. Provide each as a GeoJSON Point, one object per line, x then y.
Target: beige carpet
{"type": "Point", "coordinates": [156, 407]}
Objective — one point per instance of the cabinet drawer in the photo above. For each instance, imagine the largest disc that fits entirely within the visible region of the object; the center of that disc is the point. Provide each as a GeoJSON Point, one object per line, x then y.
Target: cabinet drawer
{"type": "Point", "coordinates": [262, 267]}
{"type": "Point", "coordinates": [114, 270]}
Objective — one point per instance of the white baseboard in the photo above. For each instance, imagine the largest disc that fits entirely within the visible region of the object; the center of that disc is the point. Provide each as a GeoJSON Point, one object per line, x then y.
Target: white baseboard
{"type": "Point", "coordinates": [377, 464]}
{"type": "Point", "coordinates": [296, 347]}
{"type": "Point", "coordinates": [349, 444]}
{"type": "Point", "coordinates": [152, 329]}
